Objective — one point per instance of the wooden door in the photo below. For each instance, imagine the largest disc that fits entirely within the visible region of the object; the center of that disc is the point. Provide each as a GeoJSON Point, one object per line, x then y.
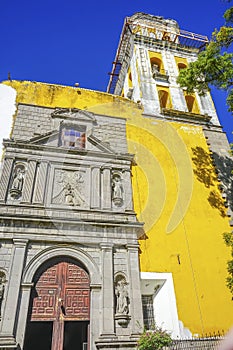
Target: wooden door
{"type": "Point", "coordinates": [61, 293]}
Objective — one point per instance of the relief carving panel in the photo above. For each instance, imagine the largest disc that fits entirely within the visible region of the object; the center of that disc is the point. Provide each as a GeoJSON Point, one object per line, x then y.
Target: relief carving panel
{"type": "Point", "coordinates": [70, 188]}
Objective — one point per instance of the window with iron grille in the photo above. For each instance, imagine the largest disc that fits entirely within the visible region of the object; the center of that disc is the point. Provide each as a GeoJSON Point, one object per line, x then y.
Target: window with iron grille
{"type": "Point", "coordinates": [148, 311]}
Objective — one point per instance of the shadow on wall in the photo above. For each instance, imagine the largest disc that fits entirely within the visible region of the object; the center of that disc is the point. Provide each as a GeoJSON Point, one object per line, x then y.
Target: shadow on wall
{"type": "Point", "coordinates": [210, 169]}
{"type": "Point", "coordinates": [205, 170]}
{"type": "Point", "coordinates": [225, 167]}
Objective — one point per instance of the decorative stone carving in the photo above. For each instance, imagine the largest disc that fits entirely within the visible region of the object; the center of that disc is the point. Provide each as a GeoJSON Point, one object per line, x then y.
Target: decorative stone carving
{"type": "Point", "coordinates": [117, 189]}
{"type": "Point", "coordinates": [122, 300]}
{"type": "Point", "coordinates": [17, 181]}
{"type": "Point", "coordinates": [68, 188]}
{"type": "Point", "coordinates": [2, 289]}
{"type": "Point", "coordinates": [154, 69]}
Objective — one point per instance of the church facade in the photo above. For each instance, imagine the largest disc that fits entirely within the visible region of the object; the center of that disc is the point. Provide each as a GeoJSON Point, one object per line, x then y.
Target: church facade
{"type": "Point", "coordinates": [77, 168]}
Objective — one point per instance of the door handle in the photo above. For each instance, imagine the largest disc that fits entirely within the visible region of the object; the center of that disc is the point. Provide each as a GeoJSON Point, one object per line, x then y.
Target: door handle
{"type": "Point", "coordinates": [63, 310]}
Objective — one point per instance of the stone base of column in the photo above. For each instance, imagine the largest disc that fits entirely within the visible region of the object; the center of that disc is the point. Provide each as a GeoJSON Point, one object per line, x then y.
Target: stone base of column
{"type": "Point", "coordinates": [116, 344]}
{"type": "Point", "coordinates": [7, 342]}
{"type": "Point", "coordinates": [135, 336]}
{"type": "Point", "coordinates": [107, 336]}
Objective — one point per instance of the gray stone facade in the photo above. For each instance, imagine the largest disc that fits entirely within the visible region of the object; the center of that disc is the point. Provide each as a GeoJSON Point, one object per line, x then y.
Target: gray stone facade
{"type": "Point", "coordinates": [72, 202]}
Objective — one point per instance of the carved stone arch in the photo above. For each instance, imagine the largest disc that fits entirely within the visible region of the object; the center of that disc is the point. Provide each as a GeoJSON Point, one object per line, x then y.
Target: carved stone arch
{"type": "Point", "coordinates": [56, 251]}
{"type": "Point", "coordinates": [120, 276]}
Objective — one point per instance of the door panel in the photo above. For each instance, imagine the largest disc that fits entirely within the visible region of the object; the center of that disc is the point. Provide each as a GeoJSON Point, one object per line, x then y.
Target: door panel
{"type": "Point", "coordinates": [62, 289]}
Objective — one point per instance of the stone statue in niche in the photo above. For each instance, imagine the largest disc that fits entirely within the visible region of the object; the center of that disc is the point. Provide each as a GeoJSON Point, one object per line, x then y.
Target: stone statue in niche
{"type": "Point", "coordinates": [68, 188]}
{"type": "Point", "coordinates": [155, 69]}
{"type": "Point", "coordinates": [122, 298]}
{"type": "Point", "coordinates": [2, 289]}
{"type": "Point", "coordinates": [117, 190]}
{"type": "Point", "coordinates": [17, 183]}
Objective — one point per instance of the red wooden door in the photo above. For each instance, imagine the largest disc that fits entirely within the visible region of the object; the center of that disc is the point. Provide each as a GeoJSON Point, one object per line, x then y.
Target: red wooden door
{"type": "Point", "coordinates": [62, 293]}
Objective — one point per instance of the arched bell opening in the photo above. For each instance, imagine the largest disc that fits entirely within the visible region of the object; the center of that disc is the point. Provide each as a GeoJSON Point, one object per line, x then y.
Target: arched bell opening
{"type": "Point", "coordinates": [59, 309]}
{"type": "Point", "coordinates": [181, 66]}
{"type": "Point", "coordinates": [156, 66]}
{"type": "Point", "coordinates": [164, 99]}
{"type": "Point", "coordinates": [191, 104]}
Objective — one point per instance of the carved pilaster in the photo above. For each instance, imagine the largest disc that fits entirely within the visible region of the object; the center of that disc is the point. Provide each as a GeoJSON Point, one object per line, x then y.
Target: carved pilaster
{"type": "Point", "coordinates": [106, 188]}
{"type": "Point", "coordinates": [5, 178]}
{"type": "Point", "coordinates": [28, 182]}
{"type": "Point", "coordinates": [135, 290]}
{"type": "Point", "coordinates": [12, 294]}
{"type": "Point", "coordinates": [107, 290]}
{"type": "Point", "coordinates": [128, 190]}
{"type": "Point", "coordinates": [95, 187]}
{"type": "Point", "coordinates": [40, 183]}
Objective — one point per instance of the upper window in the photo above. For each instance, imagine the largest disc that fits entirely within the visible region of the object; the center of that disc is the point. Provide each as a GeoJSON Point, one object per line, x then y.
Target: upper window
{"type": "Point", "coordinates": [164, 97]}
{"type": "Point", "coordinates": [181, 62]}
{"type": "Point", "coordinates": [181, 66]}
{"type": "Point", "coordinates": [73, 136]}
{"type": "Point", "coordinates": [192, 104]}
{"type": "Point", "coordinates": [156, 63]}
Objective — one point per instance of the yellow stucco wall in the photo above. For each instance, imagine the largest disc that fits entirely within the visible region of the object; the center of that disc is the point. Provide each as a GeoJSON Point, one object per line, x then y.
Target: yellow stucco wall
{"type": "Point", "coordinates": [176, 195]}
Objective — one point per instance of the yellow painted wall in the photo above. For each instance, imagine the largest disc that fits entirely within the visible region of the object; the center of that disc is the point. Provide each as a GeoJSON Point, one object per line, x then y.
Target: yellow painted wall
{"type": "Point", "coordinates": [176, 192]}
{"type": "Point", "coordinates": [176, 195]}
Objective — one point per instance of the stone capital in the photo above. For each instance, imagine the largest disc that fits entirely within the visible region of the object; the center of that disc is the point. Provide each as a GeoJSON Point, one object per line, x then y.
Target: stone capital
{"type": "Point", "coordinates": [20, 242]}
{"type": "Point", "coordinates": [106, 246]}
{"type": "Point", "coordinates": [133, 246]}
{"type": "Point", "coordinates": [27, 286]}
{"type": "Point", "coordinates": [95, 287]}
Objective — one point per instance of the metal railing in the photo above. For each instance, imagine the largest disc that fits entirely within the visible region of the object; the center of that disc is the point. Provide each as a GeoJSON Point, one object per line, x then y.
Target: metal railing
{"type": "Point", "coordinates": [204, 343]}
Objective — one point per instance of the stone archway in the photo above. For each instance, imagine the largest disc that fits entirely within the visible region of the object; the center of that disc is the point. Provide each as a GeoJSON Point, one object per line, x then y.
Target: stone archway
{"type": "Point", "coordinates": [59, 310]}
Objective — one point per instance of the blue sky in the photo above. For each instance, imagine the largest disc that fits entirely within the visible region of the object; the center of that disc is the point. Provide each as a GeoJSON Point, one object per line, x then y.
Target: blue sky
{"type": "Point", "coordinates": [75, 41]}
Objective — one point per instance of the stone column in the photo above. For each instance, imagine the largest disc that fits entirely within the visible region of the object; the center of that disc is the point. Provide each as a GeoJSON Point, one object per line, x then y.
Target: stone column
{"type": "Point", "coordinates": [95, 307]}
{"type": "Point", "coordinates": [12, 293]}
{"type": "Point", "coordinates": [5, 178]}
{"type": "Point", "coordinates": [128, 195]}
{"type": "Point", "coordinates": [29, 181]}
{"type": "Point", "coordinates": [23, 312]}
{"type": "Point", "coordinates": [95, 187]}
{"type": "Point", "coordinates": [106, 193]}
{"type": "Point", "coordinates": [40, 184]}
{"type": "Point", "coordinates": [107, 291]}
{"type": "Point", "coordinates": [135, 290]}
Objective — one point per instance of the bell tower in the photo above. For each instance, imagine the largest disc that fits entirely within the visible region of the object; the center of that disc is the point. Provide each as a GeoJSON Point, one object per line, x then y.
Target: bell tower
{"type": "Point", "coordinates": [151, 52]}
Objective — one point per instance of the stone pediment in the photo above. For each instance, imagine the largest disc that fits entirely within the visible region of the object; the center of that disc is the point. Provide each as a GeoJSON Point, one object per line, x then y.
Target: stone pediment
{"type": "Point", "coordinates": [74, 114]}
{"type": "Point", "coordinates": [100, 145]}
{"type": "Point", "coordinates": [93, 143]}
{"type": "Point", "coordinates": [44, 138]}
